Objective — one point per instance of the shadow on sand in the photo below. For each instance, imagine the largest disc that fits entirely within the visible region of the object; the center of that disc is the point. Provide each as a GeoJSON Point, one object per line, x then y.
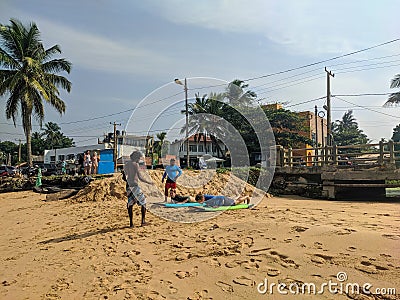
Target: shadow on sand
{"type": "Point", "coordinates": [82, 235]}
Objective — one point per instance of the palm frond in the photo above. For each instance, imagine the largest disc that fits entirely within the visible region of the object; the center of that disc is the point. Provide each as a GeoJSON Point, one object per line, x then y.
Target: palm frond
{"type": "Point", "coordinates": [393, 99]}
{"type": "Point", "coordinates": [59, 81]}
{"type": "Point", "coordinates": [51, 51]}
{"type": "Point", "coordinates": [395, 83]}
{"type": "Point", "coordinates": [57, 65]}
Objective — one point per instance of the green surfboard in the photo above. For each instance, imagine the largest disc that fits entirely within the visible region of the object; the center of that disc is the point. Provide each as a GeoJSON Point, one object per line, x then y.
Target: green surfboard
{"type": "Point", "coordinates": [234, 207]}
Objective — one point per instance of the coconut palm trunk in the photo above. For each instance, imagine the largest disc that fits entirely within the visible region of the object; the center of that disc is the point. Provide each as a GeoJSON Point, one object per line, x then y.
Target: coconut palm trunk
{"type": "Point", "coordinates": [28, 129]}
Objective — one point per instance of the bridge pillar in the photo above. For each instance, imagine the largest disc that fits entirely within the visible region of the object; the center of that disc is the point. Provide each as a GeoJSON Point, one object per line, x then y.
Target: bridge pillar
{"type": "Point", "coordinates": [328, 189]}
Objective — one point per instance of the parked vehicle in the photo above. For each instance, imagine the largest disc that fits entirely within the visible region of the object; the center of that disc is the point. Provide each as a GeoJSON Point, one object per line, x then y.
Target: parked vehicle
{"type": "Point", "coordinates": [51, 169]}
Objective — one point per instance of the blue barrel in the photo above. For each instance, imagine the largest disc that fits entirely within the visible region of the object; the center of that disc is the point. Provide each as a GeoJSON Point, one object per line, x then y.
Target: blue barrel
{"type": "Point", "coordinates": [106, 163]}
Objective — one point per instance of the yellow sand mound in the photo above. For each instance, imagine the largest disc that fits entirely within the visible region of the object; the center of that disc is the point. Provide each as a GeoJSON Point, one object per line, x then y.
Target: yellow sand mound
{"type": "Point", "coordinates": [190, 183]}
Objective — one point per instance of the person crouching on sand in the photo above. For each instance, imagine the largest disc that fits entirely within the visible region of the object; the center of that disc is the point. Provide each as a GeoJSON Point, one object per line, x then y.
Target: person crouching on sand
{"type": "Point", "coordinates": [217, 201]}
{"type": "Point", "coordinates": [177, 198]}
{"type": "Point", "coordinates": [134, 194]}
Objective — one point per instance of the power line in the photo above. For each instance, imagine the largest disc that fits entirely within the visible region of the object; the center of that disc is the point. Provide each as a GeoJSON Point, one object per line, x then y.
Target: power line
{"type": "Point", "coordinates": [323, 61]}
{"type": "Point", "coordinates": [307, 101]}
{"type": "Point", "coordinates": [364, 94]}
{"type": "Point", "coordinates": [370, 109]}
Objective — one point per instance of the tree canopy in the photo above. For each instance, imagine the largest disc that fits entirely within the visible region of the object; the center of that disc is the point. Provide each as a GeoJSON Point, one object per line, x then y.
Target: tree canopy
{"type": "Point", "coordinates": [346, 131]}
{"type": "Point", "coordinates": [28, 75]}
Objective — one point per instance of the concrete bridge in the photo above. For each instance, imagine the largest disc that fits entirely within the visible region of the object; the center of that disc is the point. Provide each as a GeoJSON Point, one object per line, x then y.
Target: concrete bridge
{"type": "Point", "coordinates": [343, 172]}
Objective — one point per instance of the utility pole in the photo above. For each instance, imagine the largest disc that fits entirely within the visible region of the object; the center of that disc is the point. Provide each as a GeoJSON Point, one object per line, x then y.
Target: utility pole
{"type": "Point", "coordinates": [177, 81]}
{"type": "Point", "coordinates": [328, 103]}
{"type": "Point", "coordinates": [316, 133]}
{"type": "Point", "coordinates": [187, 125]}
{"type": "Point", "coordinates": [115, 145]}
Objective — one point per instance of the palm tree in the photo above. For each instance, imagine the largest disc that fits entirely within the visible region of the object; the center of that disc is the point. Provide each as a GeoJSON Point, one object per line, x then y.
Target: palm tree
{"type": "Point", "coordinates": [394, 98]}
{"type": "Point", "coordinates": [161, 136]}
{"type": "Point", "coordinates": [53, 134]}
{"type": "Point", "coordinates": [205, 119]}
{"type": "Point", "coordinates": [236, 94]}
{"type": "Point", "coordinates": [28, 75]}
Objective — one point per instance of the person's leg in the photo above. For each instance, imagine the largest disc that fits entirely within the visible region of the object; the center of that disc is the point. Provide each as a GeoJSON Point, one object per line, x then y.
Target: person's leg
{"type": "Point", "coordinates": [130, 213]}
{"type": "Point", "coordinates": [143, 211]}
{"type": "Point", "coordinates": [242, 199]}
{"type": "Point", "coordinates": [166, 189]}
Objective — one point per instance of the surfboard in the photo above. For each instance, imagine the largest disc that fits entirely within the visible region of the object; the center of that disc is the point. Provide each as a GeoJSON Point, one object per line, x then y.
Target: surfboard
{"type": "Point", "coordinates": [234, 207]}
{"type": "Point", "coordinates": [187, 204]}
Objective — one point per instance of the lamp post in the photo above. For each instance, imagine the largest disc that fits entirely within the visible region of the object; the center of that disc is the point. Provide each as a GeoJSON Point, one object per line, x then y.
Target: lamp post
{"type": "Point", "coordinates": [177, 81]}
{"type": "Point", "coordinates": [321, 114]}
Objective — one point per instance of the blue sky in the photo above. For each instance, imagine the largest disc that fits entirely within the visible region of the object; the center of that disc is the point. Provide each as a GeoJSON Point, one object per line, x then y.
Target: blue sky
{"type": "Point", "coordinates": [123, 50]}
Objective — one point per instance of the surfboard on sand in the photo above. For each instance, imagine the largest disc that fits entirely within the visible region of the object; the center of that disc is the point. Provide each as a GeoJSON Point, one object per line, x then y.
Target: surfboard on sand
{"type": "Point", "coordinates": [222, 208]}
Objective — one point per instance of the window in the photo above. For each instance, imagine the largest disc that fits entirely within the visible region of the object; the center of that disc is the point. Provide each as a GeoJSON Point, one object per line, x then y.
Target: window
{"type": "Point", "coordinates": [193, 148]}
{"type": "Point", "coordinates": [200, 148]}
{"type": "Point", "coordinates": [61, 157]}
{"type": "Point", "coordinates": [52, 158]}
{"type": "Point", "coordinates": [71, 156]}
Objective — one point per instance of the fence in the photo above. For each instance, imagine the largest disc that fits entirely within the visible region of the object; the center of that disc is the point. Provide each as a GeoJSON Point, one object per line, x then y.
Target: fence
{"type": "Point", "coordinates": [350, 155]}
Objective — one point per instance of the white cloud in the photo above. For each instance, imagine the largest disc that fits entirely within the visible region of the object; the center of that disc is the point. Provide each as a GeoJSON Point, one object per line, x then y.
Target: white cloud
{"type": "Point", "coordinates": [100, 53]}
{"type": "Point", "coordinates": [305, 27]}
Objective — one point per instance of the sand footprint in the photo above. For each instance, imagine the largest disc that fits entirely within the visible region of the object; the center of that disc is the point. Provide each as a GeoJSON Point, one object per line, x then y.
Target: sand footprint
{"type": "Point", "coordinates": [243, 280]}
{"type": "Point", "coordinates": [202, 295]}
{"type": "Point", "coordinates": [154, 295]}
{"type": "Point", "coordinates": [273, 272]}
{"type": "Point", "coordinates": [321, 258]}
{"type": "Point", "coordinates": [226, 287]}
{"type": "Point", "coordinates": [391, 236]}
{"type": "Point", "coordinates": [182, 274]}
{"type": "Point", "coordinates": [298, 229]}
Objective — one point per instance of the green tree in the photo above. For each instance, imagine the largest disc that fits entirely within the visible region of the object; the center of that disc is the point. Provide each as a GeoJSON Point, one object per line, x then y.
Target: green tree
{"type": "Point", "coordinates": [394, 98]}
{"type": "Point", "coordinates": [236, 94]}
{"type": "Point", "coordinates": [38, 144]}
{"type": "Point", "coordinates": [288, 127]}
{"type": "Point", "coordinates": [54, 138]}
{"type": "Point", "coordinates": [346, 131]}
{"type": "Point", "coordinates": [28, 75]}
{"type": "Point", "coordinates": [9, 148]}
{"type": "Point", "coordinates": [158, 146]}
{"type": "Point", "coordinates": [396, 138]}
{"type": "Point", "coordinates": [204, 119]}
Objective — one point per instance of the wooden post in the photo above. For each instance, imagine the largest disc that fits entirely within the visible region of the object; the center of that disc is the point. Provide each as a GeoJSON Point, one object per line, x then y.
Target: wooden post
{"type": "Point", "coordinates": [380, 158]}
{"type": "Point", "coordinates": [334, 154]}
{"type": "Point", "coordinates": [326, 155]}
{"type": "Point", "coordinates": [391, 151]}
{"type": "Point", "coordinates": [279, 156]}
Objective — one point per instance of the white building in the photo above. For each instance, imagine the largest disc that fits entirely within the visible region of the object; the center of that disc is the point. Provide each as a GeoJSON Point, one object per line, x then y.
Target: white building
{"type": "Point", "coordinates": [196, 150]}
{"type": "Point", "coordinates": [126, 145]}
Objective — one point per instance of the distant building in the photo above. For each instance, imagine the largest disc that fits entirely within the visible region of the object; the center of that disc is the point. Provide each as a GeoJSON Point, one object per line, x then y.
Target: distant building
{"type": "Point", "coordinates": [196, 150]}
{"type": "Point", "coordinates": [315, 129]}
{"type": "Point", "coordinates": [126, 144]}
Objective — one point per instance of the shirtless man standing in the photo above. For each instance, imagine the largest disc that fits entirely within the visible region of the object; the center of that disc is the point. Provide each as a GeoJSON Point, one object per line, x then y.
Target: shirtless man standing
{"type": "Point", "coordinates": [135, 195]}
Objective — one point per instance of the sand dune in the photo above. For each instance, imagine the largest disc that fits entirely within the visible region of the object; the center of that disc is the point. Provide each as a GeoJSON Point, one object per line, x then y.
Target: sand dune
{"type": "Point", "coordinates": [81, 248]}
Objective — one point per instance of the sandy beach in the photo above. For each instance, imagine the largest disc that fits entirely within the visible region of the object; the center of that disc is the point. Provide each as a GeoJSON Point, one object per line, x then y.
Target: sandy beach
{"type": "Point", "coordinates": [82, 248]}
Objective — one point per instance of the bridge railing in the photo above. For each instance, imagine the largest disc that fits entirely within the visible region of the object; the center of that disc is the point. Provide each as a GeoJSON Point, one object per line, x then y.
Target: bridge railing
{"type": "Point", "coordinates": [351, 155]}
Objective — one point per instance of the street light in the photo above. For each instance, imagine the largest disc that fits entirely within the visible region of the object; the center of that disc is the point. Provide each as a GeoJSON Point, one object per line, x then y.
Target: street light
{"type": "Point", "coordinates": [177, 81]}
